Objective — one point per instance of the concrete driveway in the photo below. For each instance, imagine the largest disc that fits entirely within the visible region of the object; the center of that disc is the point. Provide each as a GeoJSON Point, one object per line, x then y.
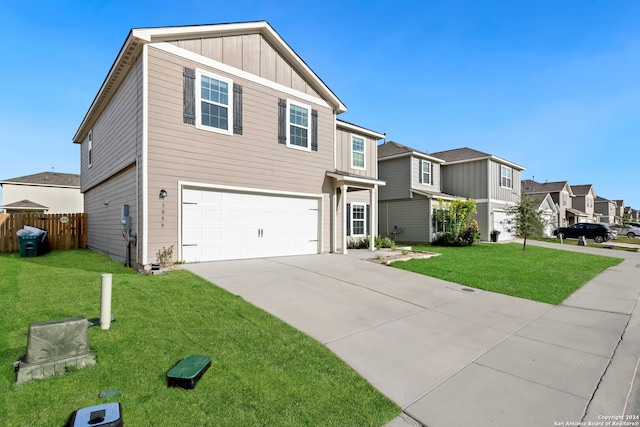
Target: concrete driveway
{"type": "Point", "coordinates": [451, 355]}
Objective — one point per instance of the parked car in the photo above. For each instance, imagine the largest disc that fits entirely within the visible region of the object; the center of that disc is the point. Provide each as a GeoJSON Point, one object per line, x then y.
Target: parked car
{"type": "Point", "coordinates": [633, 230]}
{"type": "Point", "coordinates": [598, 232]}
{"type": "Point", "coordinates": [614, 234]}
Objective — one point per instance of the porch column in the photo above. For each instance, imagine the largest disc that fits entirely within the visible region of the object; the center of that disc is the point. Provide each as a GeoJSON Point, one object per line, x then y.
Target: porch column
{"type": "Point", "coordinates": [334, 218]}
{"type": "Point", "coordinates": [373, 209]}
{"type": "Point", "coordinates": [343, 195]}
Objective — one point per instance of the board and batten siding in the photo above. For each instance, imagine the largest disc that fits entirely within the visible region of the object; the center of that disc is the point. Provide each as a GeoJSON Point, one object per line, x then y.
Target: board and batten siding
{"type": "Point", "coordinates": [411, 216]}
{"type": "Point", "coordinates": [254, 160]}
{"type": "Point", "coordinates": [117, 133]}
{"type": "Point", "coordinates": [396, 173]}
{"type": "Point", "coordinates": [417, 171]}
{"type": "Point", "coordinates": [467, 179]}
{"type": "Point", "coordinates": [251, 53]}
{"type": "Point", "coordinates": [503, 193]}
{"type": "Point", "coordinates": [343, 154]}
{"type": "Point", "coordinates": [104, 203]}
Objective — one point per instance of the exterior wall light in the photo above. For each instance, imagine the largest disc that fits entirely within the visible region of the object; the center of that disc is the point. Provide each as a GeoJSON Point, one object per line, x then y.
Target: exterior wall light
{"type": "Point", "coordinates": [163, 194]}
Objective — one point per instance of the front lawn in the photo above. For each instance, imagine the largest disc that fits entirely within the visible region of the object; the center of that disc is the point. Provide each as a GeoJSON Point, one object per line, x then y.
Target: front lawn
{"type": "Point", "coordinates": [263, 372]}
{"type": "Point", "coordinates": [538, 274]}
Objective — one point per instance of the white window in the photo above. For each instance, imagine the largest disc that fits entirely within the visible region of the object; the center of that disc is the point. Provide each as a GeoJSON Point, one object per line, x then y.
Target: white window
{"type": "Point", "coordinates": [564, 198]}
{"type": "Point", "coordinates": [298, 126]}
{"type": "Point", "coordinates": [357, 152]}
{"type": "Point", "coordinates": [90, 148]}
{"type": "Point", "coordinates": [426, 172]}
{"type": "Point", "coordinates": [214, 103]}
{"type": "Point", "coordinates": [506, 176]}
{"type": "Point", "coordinates": [357, 219]}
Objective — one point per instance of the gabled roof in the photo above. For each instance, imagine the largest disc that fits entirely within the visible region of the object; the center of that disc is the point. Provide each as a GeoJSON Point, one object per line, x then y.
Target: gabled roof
{"type": "Point", "coordinates": [391, 150]}
{"type": "Point", "coordinates": [532, 187]}
{"type": "Point", "coordinates": [359, 129]}
{"type": "Point", "coordinates": [602, 199]}
{"type": "Point", "coordinates": [138, 37]}
{"type": "Point", "coordinates": [46, 179]}
{"type": "Point", "coordinates": [581, 190]}
{"type": "Point", "coordinates": [25, 205]}
{"type": "Point", "coordinates": [466, 154]}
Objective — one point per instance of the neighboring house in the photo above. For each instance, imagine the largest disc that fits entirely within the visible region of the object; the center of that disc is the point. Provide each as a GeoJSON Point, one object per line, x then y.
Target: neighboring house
{"type": "Point", "coordinates": [632, 214]}
{"type": "Point", "coordinates": [411, 193]}
{"type": "Point", "coordinates": [223, 144]}
{"type": "Point", "coordinates": [584, 201]}
{"type": "Point", "coordinates": [562, 195]}
{"type": "Point", "coordinates": [620, 210]}
{"type": "Point", "coordinates": [548, 210]}
{"type": "Point", "coordinates": [45, 192]}
{"type": "Point", "coordinates": [606, 209]}
{"type": "Point", "coordinates": [493, 182]}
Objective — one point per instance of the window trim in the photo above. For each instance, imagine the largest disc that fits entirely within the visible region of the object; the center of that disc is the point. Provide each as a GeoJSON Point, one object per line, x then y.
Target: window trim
{"type": "Point", "coordinates": [90, 148]}
{"type": "Point", "coordinates": [509, 178]}
{"type": "Point", "coordinates": [422, 180]}
{"type": "Point", "coordinates": [364, 219]}
{"type": "Point", "coordinates": [364, 152]}
{"type": "Point", "coordinates": [308, 127]}
{"type": "Point", "coordinates": [229, 106]}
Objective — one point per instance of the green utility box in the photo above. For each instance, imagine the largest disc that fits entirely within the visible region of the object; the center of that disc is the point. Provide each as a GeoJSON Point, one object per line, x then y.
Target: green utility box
{"type": "Point", "coordinates": [31, 245]}
{"type": "Point", "coordinates": [187, 372]}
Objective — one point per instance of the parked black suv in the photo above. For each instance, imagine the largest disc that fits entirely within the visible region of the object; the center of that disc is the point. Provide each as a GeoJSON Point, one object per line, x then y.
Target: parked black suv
{"type": "Point", "coordinates": [598, 232]}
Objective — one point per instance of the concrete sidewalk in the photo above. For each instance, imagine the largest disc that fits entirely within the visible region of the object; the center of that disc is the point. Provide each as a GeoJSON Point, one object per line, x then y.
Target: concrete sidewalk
{"type": "Point", "coordinates": [451, 355]}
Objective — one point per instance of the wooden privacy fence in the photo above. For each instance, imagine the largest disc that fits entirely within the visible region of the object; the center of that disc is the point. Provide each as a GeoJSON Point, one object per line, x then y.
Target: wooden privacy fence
{"type": "Point", "coordinates": [64, 231]}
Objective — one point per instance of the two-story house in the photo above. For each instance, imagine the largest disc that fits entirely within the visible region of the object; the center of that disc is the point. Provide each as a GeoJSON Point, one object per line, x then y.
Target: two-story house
{"type": "Point", "coordinates": [620, 210]}
{"type": "Point", "coordinates": [220, 142]}
{"type": "Point", "coordinates": [584, 201]}
{"type": "Point", "coordinates": [492, 181]}
{"type": "Point", "coordinates": [562, 194]}
{"type": "Point", "coordinates": [411, 193]}
{"type": "Point", "coordinates": [606, 209]}
{"type": "Point", "coordinates": [44, 192]}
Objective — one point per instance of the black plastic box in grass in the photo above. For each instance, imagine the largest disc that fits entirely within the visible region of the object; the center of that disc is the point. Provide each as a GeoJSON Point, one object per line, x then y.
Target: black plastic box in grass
{"type": "Point", "coordinates": [187, 372]}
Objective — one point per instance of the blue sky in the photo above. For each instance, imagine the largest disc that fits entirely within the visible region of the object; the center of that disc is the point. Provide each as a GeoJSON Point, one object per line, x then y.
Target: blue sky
{"type": "Point", "coordinates": [551, 85]}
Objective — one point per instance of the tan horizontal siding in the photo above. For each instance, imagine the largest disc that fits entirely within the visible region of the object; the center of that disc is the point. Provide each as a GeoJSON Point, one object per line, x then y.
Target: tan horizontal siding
{"type": "Point", "coordinates": [103, 220]}
{"type": "Point", "coordinates": [116, 133]}
{"type": "Point", "coordinates": [411, 216]}
{"type": "Point", "coordinates": [343, 154]}
{"type": "Point", "coordinates": [181, 152]}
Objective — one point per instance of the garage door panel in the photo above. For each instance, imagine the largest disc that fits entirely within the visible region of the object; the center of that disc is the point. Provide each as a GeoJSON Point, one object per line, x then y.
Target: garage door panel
{"type": "Point", "coordinates": [221, 225]}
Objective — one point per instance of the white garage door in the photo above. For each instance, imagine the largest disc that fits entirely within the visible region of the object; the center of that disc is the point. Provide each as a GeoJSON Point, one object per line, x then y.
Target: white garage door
{"type": "Point", "coordinates": [498, 224]}
{"type": "Point", "coordinates": [220, 225]}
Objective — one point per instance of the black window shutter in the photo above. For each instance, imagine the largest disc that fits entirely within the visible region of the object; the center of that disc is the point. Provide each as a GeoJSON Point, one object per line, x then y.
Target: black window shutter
{"type": "Point", "coordinates": [420, 174]}
{"type": "Point", "coordinates": [189, 96]}
{"type": "Point", "coordinates": [314, 130]}
{"type": "Point", "coordinates": [368, 212]}
{"type": "Point", "coordinates": [348, 219]}
{"type": "Point", "coordinates": [237, 109]}
{"type": "Point", "coordinates": [282, 121]}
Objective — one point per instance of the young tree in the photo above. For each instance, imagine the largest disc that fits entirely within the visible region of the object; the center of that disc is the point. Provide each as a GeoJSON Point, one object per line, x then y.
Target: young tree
{"type": "Point", "coordinates": [525, 219]}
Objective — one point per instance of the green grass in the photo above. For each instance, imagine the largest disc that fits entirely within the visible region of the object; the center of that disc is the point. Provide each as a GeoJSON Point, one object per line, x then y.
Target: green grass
{"type": "Point", "coordinates": [538, 274]}
{"type": "Point", "coordinates": [592, 244]}
{"type": "Point", "coordinates": [263, 373]}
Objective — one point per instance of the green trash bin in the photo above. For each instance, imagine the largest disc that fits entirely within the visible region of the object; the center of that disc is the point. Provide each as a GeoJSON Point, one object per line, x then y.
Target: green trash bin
{"type": "Point", "coordinates": [30, 245]}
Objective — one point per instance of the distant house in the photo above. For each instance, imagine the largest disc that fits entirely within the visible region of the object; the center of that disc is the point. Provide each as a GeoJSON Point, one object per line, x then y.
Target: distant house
{"type": "Point", "coordinates": [412, 190]}
{"type": "Point", "coordinates": [44, 192]}
{"type": "Point", "coordinates": [620, 209]}
{"type": "Point", "coordinates": [606, 209]}
{"type": "Point", "coordinates": [492, 181]}
{"type": "Point", "coordinates": [220, 142]}
{"type": "Point", "coordinates": [562, 195]}
{"type": "Point", "coordinates": [549, 212]}
{"type": "Point", "coordinates": [584, 200]}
